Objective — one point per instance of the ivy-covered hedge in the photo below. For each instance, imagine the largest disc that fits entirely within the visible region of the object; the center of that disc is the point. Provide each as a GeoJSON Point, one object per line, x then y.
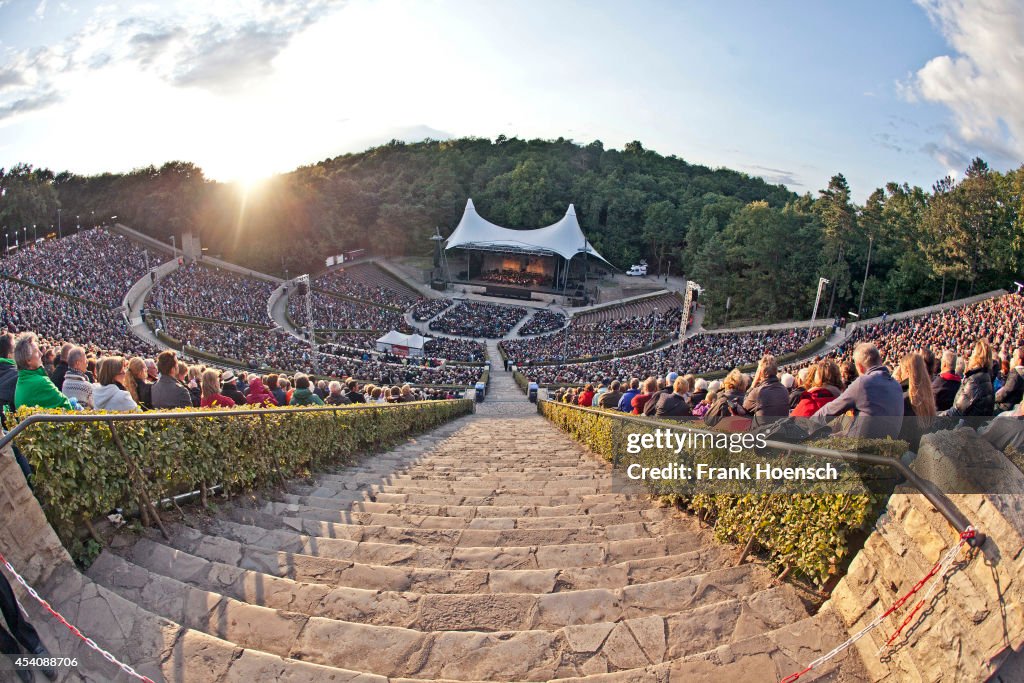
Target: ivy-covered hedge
{"type": "Point", "coordinates": [81, 475]}
{"type": "Point", "coordinates": [811, 534]}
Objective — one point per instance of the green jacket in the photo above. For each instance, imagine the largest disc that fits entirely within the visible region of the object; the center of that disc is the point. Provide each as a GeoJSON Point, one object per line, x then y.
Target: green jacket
{"type": "Point", "coordinates": [35, 389]}
{"type": "Point", "coordinates": [305, 397]}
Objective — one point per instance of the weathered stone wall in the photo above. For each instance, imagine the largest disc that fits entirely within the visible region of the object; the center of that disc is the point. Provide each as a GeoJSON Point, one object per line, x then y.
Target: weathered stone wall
{"type": "Point", "coordinates": [973, 623]}
{"type": "Point", "coordinates": [26, 539]}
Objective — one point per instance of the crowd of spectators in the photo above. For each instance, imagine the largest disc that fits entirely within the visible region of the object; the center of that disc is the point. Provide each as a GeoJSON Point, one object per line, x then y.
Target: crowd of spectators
{"type": "Point", "coordinates": [211, 293]}
{"type": "Point", "coordinates": [92, 264]}
{"type": "Point", "coordinates": [699, 354]}
{"type": "Point", "coordinates": [865, 398]}
{"type": "Point", "coordinates": [571, 346]}
{"type": "Point", "coordinates": [333, 313]}
{"type": "Point", "coordinates": [79, 380]}
{"type": "Point", "coordinates": [1000, 319]}
{"type": "Point", "coordinates": [425, 309]}
{"type": "Point", "coordinates": [656, 320]}
{"type": "Point", "coordinates": [59, 319]}
{"type": "Point", "coordinates": [543, 321]}
{"type": "Point", "coordinates": [636, 314]}
{"type": "Point", "coordinates": [463, 350]}
{"type": "Point", "coordinates": [254, 347]}
{"type": "Point", "coordinates": [471, 319]}
{"type": "Point", "coordinates": [369, 283]}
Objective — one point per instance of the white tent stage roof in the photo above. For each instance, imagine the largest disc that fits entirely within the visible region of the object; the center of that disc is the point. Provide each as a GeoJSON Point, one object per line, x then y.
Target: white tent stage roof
{"type": "Point", "coordinates": [395, 338]}
{"type": "Point", "coordinates": [564, 238]}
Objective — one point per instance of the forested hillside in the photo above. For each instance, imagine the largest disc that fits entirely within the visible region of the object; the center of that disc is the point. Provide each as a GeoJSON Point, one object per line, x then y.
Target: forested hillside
{"type": "Point", "coordinates": [759, 245]}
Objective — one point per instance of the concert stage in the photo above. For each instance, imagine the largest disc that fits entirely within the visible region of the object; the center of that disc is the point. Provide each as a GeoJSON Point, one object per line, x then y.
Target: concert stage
{"type": "Point", "coordinates": [547, 264]}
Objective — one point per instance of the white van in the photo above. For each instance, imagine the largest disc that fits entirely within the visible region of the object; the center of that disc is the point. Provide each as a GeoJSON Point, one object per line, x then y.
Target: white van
{"type": "Point", "coordinates": [638, 270]}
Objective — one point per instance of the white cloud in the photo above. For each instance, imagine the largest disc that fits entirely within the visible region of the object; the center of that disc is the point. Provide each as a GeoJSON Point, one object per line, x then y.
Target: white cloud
{"type": "Point", "coordinates": [982, 83]}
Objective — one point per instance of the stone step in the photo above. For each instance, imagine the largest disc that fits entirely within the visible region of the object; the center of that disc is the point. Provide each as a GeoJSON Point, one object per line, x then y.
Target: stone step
{"type": "Point", "coordinates": [449, 537]}
{"type": "Point", "coordinates": [766, 657]}
{"type": "Point", "coordinates": [468, 488]}
{"type": "Point", "coordinates": [345, 505]}
{"type": "Point", "coordinates": [490, 499]}
{"type": "Point", "coordinates": [342, 482]}
{"type": "Point", "coordinates": [514, 511]}
{"type": "Point", "coordinates": [529, 655]}
{"type": "Point", "coordinates": [444, 611]}
{"type": "Point", "coordinates": [315, 523]}
{"type": "Point", "coordinates": [305, 568]}
{"type": "Point", "coordinates": [567, 521]}
{"type": "Point", "coordinates": [508, 557]}
{"type": "Point", "coordinates": [160, 648]}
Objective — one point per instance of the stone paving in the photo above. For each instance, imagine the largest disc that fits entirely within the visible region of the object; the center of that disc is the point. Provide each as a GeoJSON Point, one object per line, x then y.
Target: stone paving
{"type": "Point", "coordinates": [491, 549]}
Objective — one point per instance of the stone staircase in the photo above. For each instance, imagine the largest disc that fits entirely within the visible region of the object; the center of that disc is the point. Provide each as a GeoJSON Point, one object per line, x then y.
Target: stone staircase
{"type": "Point", "coordinates": [492, 549]}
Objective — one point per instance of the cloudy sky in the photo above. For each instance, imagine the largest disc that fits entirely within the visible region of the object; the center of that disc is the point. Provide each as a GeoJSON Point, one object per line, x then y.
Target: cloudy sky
{"type": "Point", "coordinates": [792, 91]}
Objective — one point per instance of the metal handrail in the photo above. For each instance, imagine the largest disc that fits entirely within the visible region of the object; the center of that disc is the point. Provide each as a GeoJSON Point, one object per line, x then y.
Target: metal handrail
{"type": "Point", "coordinates": [931, 492]}
{"type": "Point", "coordinates": [148, 416]}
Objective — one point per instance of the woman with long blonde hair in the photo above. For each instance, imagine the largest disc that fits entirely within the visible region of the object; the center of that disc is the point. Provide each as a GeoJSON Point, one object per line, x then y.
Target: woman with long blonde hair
{"type": "Point", "coordinates": [918, 398]}
{"type": "Point", "coordinates": [212, 396]}
{"type": "Point", "coordinates": [137, 383]}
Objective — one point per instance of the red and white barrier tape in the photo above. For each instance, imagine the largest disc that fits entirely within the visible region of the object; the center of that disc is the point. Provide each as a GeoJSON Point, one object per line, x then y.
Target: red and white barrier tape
{"type": "Point", "coordinates": [938, 569]}
{"type": "Point", "coordinates": [88, 641]}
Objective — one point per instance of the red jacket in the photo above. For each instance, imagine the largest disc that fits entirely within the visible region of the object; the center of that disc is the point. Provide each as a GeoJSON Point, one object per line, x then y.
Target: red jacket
{"type": "Point", "coordinates": [259, 394]}
{"type": "Point", "coordinates": [811, 401]}
{"type": "Point", "coordinates": [640, 400]}
{"type": "Point", "coordinates": [216, 401]}
{"type": "Point", "coordinates": [586, 399]}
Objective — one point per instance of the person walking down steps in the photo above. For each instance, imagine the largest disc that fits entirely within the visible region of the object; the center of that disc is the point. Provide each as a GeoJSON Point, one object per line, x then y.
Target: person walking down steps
{"type": "Point", "coordinates": [21, 633]}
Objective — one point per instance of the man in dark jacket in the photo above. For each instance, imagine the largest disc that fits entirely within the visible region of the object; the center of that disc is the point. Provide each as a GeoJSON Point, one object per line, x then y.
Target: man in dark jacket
{"type": "Point", "coordinates": [674, 404]}
{"type": "Point", "coordinates": [768, 399]}
{"type": "Point", "coordinates": [609, 400]}
{"type": "Point", "coordinates": [1011, 393]}
{"type": "Point", "coordinates": [168, 392]}
{"type": "Point", "coordinates": [875, 397]}
{"type": "Point", "coordinates": [229, 387]}
{"type": "Point", "coordinates": [626, 402]}
{"type": "Point", "coordinates": [61, 368]}
{"type": "Point", "coordinates": [947, 383]}
{"type": "Point", "coordinates": [354, 395]}
{"type": "Point", "coordinates": [8, 384]}
{"type": "Point", "coordinates": [8, 372]}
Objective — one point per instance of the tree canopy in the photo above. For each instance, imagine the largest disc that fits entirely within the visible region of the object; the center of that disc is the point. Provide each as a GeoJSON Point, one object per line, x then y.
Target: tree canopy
{"type": "Point", "coordinates": [759, 245]}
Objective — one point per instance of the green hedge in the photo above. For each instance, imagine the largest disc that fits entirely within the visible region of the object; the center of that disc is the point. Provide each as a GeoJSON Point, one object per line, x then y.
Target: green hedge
{"type": "Point", "coordinates": [81, 475]}
{"type": "Point", "coordinates": [812, 534]}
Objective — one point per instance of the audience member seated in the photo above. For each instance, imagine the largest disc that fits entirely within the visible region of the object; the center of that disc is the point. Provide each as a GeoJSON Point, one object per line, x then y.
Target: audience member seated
{"type": "Point", "coordinates": [212, 397]}
{"type": "Point", "coordinates": [77, 384]}
{"type": "Point", "coordinates": [169, 392]}
{"type": "Point", "coordinates": [875, 397]}
{"type": "Point", "coordinates": [109, 393]}
{"type": "Point", "coordinates": [976, 397]}
{"type": "Point", "coordinates": [34, 388]}
{"type": "Point", "coordinates": [768, 399]}
{"type": "Point", "coordinates": [303, 394]}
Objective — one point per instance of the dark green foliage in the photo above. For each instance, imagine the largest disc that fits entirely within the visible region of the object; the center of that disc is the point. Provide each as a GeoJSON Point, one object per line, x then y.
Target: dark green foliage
{"type": "Point", "coordinates": [810, 533]}
{"type": "Point", "coordinates": [738, 236]}
{"type": "Point", "coordinates": [80, 474]}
